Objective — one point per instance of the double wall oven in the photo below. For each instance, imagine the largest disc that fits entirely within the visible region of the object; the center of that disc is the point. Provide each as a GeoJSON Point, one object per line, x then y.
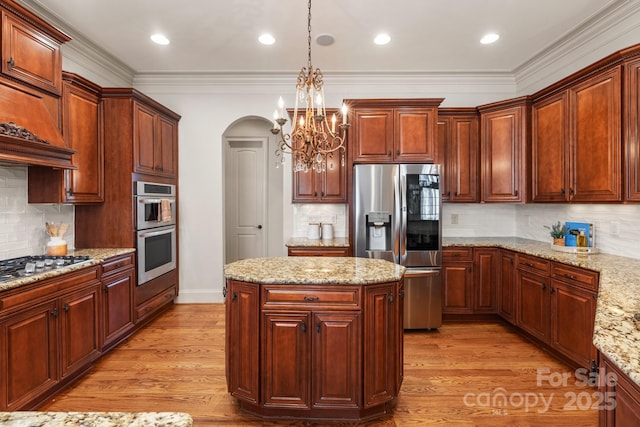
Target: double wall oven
{"type": "Point", "coordinates": [155, 229]}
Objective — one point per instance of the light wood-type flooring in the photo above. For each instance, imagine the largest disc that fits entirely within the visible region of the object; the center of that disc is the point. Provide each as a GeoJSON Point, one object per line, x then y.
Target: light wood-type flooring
{"type": "Point", "coordinates": [464, 374]}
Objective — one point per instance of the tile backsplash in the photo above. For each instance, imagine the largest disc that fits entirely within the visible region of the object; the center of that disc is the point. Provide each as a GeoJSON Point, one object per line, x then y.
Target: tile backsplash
{"type": "Point", "coordinates": [22, 225]}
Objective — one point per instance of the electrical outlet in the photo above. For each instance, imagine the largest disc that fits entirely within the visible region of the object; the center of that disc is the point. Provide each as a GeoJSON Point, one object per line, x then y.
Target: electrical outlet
{"type": "Point", "coordinates": [454, 218]}
{"type": "Point", "coordinates": [614, 228]}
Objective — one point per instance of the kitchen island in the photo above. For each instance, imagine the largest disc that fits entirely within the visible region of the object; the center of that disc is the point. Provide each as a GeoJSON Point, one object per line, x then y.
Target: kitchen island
{"type": "Point", "coordinates": [314, 338]}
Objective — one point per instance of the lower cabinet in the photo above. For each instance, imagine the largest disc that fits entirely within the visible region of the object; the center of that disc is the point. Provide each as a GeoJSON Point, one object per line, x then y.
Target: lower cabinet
{"type": "Point", "coordinates": [327, 352]}
{"type": "Point", "coordinates": [45, 344]}
{"type": "Point", "coordinates": [457, 280]}
{"type": "Point", "coordinates": [619, 397]}
{"type": "Point", "coordinates": [317, 251]}
{"type": "Point", "coordinates": [118, 282]}
{"type": "Point", "coordinates": [507, 286]}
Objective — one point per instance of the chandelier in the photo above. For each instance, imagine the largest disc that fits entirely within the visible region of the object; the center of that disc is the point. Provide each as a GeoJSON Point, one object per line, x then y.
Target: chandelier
{"type": "Point", "coordinates": [312, 139]}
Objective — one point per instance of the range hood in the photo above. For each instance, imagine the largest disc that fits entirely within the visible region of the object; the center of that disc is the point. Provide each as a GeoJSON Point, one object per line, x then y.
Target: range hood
{"type": "Point", "coordinates": [29, 133]}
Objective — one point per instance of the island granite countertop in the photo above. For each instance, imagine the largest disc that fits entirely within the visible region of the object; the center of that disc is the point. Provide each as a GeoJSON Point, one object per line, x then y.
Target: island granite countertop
{"type": "Point", "coordinates": [97, 256]}
{"type": "Point", "coordinates": [314, 270]}
{"type": "Point", "coordinates": [95, 419]}
{"type": "Point", "coordinates": [617, 323]}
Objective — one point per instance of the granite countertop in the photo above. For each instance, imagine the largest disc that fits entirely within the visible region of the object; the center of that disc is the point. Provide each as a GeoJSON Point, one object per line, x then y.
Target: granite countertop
{"type": "Point", "coordinates": [617, 322]}
{"type": "Point", "coordinates": [95, 419]}
{"type": "Point", "coordinates": [338, 242]}
{"type": "Point", "coordinates": [314, 270]}
{"type": "Point", "coordinates": [97, 257]}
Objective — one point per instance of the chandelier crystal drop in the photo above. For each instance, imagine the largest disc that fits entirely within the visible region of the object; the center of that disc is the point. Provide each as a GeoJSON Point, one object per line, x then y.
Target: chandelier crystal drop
{"type": "Point", "coordinates": [313, 139]}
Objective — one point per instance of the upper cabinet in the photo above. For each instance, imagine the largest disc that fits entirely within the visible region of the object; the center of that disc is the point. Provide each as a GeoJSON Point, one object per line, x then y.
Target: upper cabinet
{"type": "Point", "coordinates": [458, 153]}
{"type": "Point", "coordinates": [394, 130]}
{"type": "Point", "coordinates": [155, 141]}
{"type": "Point", "coordinates": [576, 142]}
{"type": "Point", "coordinates": [631, 124]}
{"type": "Point", "coordinates": [31, 50]}
{"type": "Point", "coordinates": [503, 142]}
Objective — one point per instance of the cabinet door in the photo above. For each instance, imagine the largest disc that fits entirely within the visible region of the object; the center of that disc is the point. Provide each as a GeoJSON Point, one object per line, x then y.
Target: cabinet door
{"type": "Point", "coordinates": [144, 137]}
{"type": "Point", "coordinates": [631, 126]}
{"type": "Point", "coordinates": [444, 141]}
{"type": "Point", "coordinates": [373, 135]}
{"type": "Point", "coordinates": [532, 310]}
{"type": "Point", "coordinates": [572, 317]}
{"type": "Point", "coordinates": [415, 135]}
{"type": "Point", "coordinates": [550, 150]}
{"type": "Point", "coordinates": [506, 287]}
{"type": "Point", "coordinates": [380, 348]}
{"type": "Point", "coordinates": [242, 340]}
{"type": "Point", "coordinates": [28, 342]}
{"type": "Point", "coordinates": [30, 55]}
{"type": "Point", "coordinates": [621, 397]}
{"type": "Point", "coordinates": [457, 281]}
{"type": "Point", "coordinates": [503, 139]}
{"type": "Point", "coordinates": [485, 269]}
{"type": "Point", "coordinates": [305, 187]}
{"type": "Point", "coordinates": [82, 131]}
{"type": "Point", "coordinates": [117, 306]}
{"type": "Point", "coordinates": [595, 135]}
{"type": "Point", "coordinates": [286, 359]}
{"type": "Point", "coordinates": [166, 150]}
{"type": "Point", "coordinates": [336, 354]}
{"type": "Point", "coordinates": [80, 329]}
{"type": "Point", "coordinates": [333, 181]}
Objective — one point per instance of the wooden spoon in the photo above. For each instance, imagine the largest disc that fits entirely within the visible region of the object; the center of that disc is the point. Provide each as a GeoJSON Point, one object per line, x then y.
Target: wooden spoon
{"type": "Point", "coordinates": [62, 229]}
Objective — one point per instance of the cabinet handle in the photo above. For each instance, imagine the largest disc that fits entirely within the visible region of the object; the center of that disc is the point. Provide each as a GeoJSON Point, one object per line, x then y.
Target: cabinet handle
{"type": "Point", "coordinates": [390, 298]}
{"type": "Point", "coordinates": [224, 292]}
{"type": "Point", "coordinates": [318, 327]}
{"type": "Point", "coordinates": [397, 152]}
{"type": "Point", "coordinates": [303, 327]}
{"type": "Point", "coordinates": [544, 286]}
{"type": "Point", "coordinates": [562, 191]}
{"type": "Point", "coordinates": [106, 289]}
{"type": "Point", "coordinates": [469, 269]}
{"type": "Point", "coordinates": [54, 312]}
{"type": "Point", "coordinates": [389, 153]}
{"type": "Point", "coordinates": [511, 261]}
{"type": "Point", "coordinates": [315, 194]}
{"type": "Point", "coordinates": [570, 276]}
{"type": "Point", "coordinates": [515, 193]}
{"type": "Point", "coordinates": [234, 296]}
{"type": "Point", "coordinates": [11, 62]}
{"type": "Point", "coordinates": [551, 290]}
{"type": "Point", "coordinates": [322, 194]}
{"type": "Point", "coordinates": [456, 194]}
{"type": "Point", "coordinates": [66, 308]}
{"type": "Point", "coordinates": [311, 298]}
{"type": "Point", "coordinates": [528, 264]}
{"type": "Point", "coordinates": [401, 294]}
{"type": "Point", "coordinates": [571, 191]}
{"type": "Point", "coordinates": [68, 191]}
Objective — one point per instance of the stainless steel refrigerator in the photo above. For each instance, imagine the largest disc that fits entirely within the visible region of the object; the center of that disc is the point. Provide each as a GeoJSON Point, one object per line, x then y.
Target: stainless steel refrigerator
{"type": "Point", "coordinates": [397, 217]}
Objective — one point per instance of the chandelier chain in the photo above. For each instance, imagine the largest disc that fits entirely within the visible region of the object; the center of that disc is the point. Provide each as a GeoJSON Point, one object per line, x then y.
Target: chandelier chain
{"type": "Point", "coordinates": [309, 34]}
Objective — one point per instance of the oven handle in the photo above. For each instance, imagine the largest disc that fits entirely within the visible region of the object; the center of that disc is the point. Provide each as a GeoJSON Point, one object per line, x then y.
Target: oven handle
{"type": "Point", "coordinates": [157, 233]}
{"type": "Point", "coordinates": [149, 201]}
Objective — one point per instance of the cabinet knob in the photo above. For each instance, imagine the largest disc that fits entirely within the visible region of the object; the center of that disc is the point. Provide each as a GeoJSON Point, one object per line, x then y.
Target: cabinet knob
{"type": "Point", "coordinates": [389, 153]}
{"type": "Point", "coordinates": [397, 152]}
{"type": "Point", "coordinates": [544, 286]}
{"type": "Point", "coordinates": [303, 327]}
{"type": "Point", "coordinates": [391, 299]}
{"type": "Point", "coordinates": [562, 191]}
{"type": "Point", "coordinates": [11, 62]}
{"type": "Point", "coordinates": [66, 308]}
{"type": "Point", "coordinates": [551, 290]}
{"type": "Point", "coordinates": [54, 312]}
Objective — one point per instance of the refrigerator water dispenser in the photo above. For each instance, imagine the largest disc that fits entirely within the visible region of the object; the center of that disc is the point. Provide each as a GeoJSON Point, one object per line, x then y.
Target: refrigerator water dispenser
{"type": "Point", "coordinates": [379, 231]}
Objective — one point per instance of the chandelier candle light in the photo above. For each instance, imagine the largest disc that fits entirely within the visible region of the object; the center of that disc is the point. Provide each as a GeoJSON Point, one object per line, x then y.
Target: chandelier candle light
{"type": "Point", "coordinates": [312, 139]}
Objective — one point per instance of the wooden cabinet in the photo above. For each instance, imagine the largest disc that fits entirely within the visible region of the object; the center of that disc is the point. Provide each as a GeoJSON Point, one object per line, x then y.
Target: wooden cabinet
{"type": "Point", "coordinates": [458, 152]}
{"type": "Point", "coordinates": [457, 280]}
{"type": "Point", "coordinates": [533, 304]}
{"type": "Point", "coordinates": [82, 129]}
{"type": "Point", "coordinates": [486, 274]}
{"type": "Point", "coordinates": [394, 130]}
{"type": "Point", "coordinates": [576, 142]}
{"type": "Point", "coordinates": [155, 141]}
{"type": "Point", "coordinates": [118, 283]}
{"type": "Point", "coordinates": [507, 286]}
{"type": "Point", "coordinates": [631, 127]}
{"type": "Point", "coordinates": [324, 351]}
{"type": "Point", "coordinates": [49, 333]}
{"type": "Point", "coordinates": [318, 251]}
{"type": "Point", "coordinates": [619, 397]}
{"type": "Point", "coordinates": [31, 50]}
{"type": "Point", "coordinates": [503, 141]}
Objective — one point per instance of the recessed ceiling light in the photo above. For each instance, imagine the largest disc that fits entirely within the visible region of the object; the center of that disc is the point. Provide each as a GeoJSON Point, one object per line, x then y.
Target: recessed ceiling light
{"type": "Point", "coordinates": [382, 38]}
{"type": "Point", "coordinates": [489, 38]}
{"type": "Point", "coordinates": [325, 39]}
{"type": "Point", "coordinates": [266, 39]}
{"type": "Point", "coordinates": [159, 39]}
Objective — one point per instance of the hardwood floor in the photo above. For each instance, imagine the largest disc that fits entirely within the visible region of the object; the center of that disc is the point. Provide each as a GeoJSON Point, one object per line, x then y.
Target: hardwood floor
{"type": "Point", "coordinates": [479, 374]}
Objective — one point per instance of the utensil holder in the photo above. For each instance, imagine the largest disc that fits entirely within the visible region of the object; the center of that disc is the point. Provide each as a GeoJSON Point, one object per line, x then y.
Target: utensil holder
{"type": "Point", "coordinates": [56, 246]}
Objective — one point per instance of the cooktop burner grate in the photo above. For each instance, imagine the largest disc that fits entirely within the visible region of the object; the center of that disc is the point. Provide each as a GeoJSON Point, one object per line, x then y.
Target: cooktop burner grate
{"type": "Point", "coordinates": [29, 265]}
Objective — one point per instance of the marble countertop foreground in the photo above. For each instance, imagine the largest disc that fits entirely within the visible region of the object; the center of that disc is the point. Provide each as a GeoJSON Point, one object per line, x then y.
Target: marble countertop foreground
{"type": "Point", "coordinates": [314, 270]}
{"type": "Point", "coordinates": [95, 419]}
{"type": "Point", "coordinates": [338, 242]}
{"type": "Point", "coordinates": [97, 257]}
{"type": "Point", "coordinates": [617, 322]}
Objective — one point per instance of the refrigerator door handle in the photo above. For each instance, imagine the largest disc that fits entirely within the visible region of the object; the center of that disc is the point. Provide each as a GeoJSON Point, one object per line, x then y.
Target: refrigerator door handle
{"type": "Point", "coordinates": [403, 217]}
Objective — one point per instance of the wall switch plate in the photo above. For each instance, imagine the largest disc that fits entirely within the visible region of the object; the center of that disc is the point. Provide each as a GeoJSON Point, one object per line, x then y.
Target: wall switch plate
{"type": "Point", "coordinates": [454, 218]}
{"type": "Point", "coordinates": [614, 228]}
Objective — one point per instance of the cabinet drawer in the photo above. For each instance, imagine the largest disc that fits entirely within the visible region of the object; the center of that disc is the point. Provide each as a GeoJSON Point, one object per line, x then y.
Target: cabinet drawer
{"type": "Point", "coordinates": [576, 275]}
{"type": "Point", "coordinates": [457, 254]}
{"type": "Point", "coordinates": [113, 265]}
{"type": "Point", "coordinates": [49, 288]}
{"type": "Point", "coordinates": [155, 303]}
{"type": "Point", "coordinates": [312, 296]}
{"type": "Point", "coordinates": [323, 251]}
{"type": "Point", "coordinates": [531, 263]}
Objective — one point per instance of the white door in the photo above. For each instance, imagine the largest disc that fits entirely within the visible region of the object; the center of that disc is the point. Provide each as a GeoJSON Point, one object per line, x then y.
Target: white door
{"type": "Point", "coordinates": [245, 188]}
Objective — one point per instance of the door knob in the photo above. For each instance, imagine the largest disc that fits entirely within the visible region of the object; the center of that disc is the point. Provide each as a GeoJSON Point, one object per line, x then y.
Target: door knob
{"type": "Point", "coordinates": [259, 227]}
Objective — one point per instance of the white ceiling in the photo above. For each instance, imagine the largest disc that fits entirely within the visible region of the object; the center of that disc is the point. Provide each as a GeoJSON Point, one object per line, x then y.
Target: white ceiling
{"type": "Point", "coordinates": [220, 36]}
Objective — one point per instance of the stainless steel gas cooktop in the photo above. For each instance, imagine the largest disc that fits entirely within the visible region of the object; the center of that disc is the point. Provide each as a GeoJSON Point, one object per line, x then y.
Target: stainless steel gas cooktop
{"type": "Point", "coordinates": [14, 268]}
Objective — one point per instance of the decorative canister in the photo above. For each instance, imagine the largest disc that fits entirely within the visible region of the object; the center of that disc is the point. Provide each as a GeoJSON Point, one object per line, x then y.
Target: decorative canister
{"type": "Point", "coordinates": [56, 246]}
{"type": "Point", "coordinates": [313, 232]}
{"type": "Point", "coordinates": [327, 231]}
